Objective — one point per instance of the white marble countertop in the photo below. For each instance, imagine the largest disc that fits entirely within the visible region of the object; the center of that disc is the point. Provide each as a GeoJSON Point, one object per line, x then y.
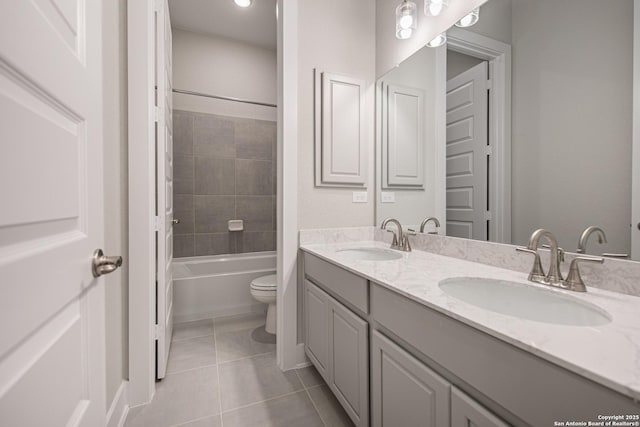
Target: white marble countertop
{"type": "Point", "coordinates": [608, 354]}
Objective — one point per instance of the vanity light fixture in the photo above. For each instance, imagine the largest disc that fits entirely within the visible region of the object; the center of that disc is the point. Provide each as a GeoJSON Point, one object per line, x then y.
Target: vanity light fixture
{"type": "Point", "coordinates": [438, 40]}
{"type": "Point", "coordinates": [243, 3]}
{"type": "Point", "coordinates": [435, 7]}
{"type": "Point", "coordinates": [406, 19]}
{"type": "Point", "coordinates": [469, 19]}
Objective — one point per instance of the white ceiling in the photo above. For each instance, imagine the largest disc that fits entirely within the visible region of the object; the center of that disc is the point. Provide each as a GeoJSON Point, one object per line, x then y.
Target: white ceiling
{"type": "Point", "coordinates": [254, 25]}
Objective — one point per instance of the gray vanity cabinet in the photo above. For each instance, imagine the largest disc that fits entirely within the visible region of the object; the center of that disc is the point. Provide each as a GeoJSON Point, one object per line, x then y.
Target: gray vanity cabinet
{"type": "Point", "coordinates": [404, 391]}
{"type": "Point", "coordinates": [317, 327]}
{"type": "Point", "coordinates": [467, 412]}
{"type": "Point", "coordinates": [337, 343]}
{"type": "Point", "coordinates": [348, 361]}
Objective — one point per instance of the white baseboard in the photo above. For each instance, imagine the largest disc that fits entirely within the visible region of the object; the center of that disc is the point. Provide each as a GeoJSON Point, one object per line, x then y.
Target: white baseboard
{"type": "Point", "coordinates": [301, 359]}
{"type": "Point", "coordinates": [243, 309]}
{"type": "Point", "coordinates": [117, 413]}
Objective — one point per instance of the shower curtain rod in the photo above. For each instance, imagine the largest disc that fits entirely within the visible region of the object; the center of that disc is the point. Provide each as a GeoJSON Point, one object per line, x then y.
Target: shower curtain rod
{"type": "Point", "coordinates": [226, 98]}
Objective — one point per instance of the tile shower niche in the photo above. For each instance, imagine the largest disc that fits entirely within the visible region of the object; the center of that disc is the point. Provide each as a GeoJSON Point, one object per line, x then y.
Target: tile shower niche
{"type": "Point", "coordinates": [225, 168]}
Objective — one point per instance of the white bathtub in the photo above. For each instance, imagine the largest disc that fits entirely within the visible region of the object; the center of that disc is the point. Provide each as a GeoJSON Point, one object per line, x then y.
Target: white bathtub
{"type": "Point", "coordinates": [214, 286]}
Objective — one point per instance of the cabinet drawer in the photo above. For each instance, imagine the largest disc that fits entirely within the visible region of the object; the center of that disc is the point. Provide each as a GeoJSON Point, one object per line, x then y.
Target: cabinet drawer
{"type": "Point", "coordinates": [351, 288]}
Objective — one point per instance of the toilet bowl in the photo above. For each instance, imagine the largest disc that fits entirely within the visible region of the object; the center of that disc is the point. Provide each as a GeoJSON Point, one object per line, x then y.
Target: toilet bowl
{"type": "Point", "coordinates": [263, 289]}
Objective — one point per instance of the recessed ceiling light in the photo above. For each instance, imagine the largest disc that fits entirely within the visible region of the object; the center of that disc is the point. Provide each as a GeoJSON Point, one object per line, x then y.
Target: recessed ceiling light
{"type": "Point", "coordinates": [243, 3]}
{"type": "Point", "coordinates": [439, 40]}
{"type": "Point", "coordinates": [469, 19]}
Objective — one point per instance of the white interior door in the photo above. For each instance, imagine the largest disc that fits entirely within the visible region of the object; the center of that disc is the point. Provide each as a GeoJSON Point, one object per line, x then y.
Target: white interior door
{"type": "Point", "coordinates": [467, 154]}
{"type": "Point", "coordinates": [164, 188]}
{"type": "Point", "coordinates": [52, 349]}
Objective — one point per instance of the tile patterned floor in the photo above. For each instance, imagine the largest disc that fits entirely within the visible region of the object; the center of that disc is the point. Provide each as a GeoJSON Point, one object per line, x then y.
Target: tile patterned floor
{"type": "Point", "coordinates": [222, 373]}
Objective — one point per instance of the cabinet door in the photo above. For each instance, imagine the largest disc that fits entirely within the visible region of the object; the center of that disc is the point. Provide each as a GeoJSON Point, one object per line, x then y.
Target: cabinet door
{"type": "Point", "coordinates": [404, 392]}
{"type": "Point", "coordinates": [467, 412]}
{"type": "Point", "coordinates": [317, 327]}
{"type": "Point", "coordinates": [349, 361]}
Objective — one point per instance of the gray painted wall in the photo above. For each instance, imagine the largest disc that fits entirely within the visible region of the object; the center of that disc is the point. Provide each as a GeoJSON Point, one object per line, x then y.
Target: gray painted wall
{"type": "Point", "coordinates": [116, 193]}
{"type": "Point", "coordinates": [495, 21]}
{"type": "Point", "coordinates": [572, 94]}
{"type": "Point", "coordinates": [339, 37]}
{"type": "Point", "coordinates": [219, 66]}
{"type": "Point", "coordinates": [224, 168]}
{"type": "Point", "coordinates": [457, 63]}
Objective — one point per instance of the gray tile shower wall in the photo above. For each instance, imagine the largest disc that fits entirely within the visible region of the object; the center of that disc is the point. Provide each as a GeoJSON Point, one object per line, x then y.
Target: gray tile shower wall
{"type": "Point", "coordinates": [224, 168]}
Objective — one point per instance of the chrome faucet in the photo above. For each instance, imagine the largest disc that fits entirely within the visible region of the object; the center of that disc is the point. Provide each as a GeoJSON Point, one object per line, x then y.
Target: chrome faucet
{"type": "Point", "coordinates": [602, 238]}
{"type": "Point", "coordinates": [400, 240]}
{"type": "Point", "coordinates": [584, 238]}
{"type": "Point", "coordinates": [396, 237]}
{"type": "Point", "coordinates": [573, 282]}
{"type": "Point", "coordinates": [435, 222]}
{"type": "Point", "coordinates": [554, 277]}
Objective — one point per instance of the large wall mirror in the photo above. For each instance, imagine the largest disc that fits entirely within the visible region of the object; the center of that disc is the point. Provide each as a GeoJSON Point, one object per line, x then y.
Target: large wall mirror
{"type": "Point", "coordinates": [522, 121]}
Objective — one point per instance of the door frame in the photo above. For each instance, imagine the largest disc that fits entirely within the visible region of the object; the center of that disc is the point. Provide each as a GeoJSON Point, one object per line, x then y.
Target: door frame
{"type": "Point", "coordinates": [142, 182]}
{"type": "Point", "coordinates": [635, 137]}
{"type": "Point", "coordinates": [289, 353]}
{"type": "Point", "coordinates": [498, 55]}
{"type": "Point", "coordinates": [142, 262]}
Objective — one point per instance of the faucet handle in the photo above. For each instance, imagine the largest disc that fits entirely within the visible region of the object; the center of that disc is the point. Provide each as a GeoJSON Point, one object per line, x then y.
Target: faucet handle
{"type": "Point", "coordinates": [574, 281]}
{"type": "Point", "coordinates": [620, 256]}
{"type": "Point", "coordinates": [537, 273]}
{"type": "Point", "coordinates": [561, 252]}
{"type": "Point", "coordinates": [406, 245]}
{"type": "Point", "coordinates": [526, 250]}
{"type": "Point", "coordinates": [394, 243]}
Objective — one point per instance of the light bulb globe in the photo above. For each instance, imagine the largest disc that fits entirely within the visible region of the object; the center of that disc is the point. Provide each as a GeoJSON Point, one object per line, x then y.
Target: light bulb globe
{"type": "Point", "coordinates": [243, 3]}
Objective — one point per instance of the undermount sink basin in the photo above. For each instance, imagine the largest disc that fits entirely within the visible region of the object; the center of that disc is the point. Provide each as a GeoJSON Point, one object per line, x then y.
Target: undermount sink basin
{"type": "Point", "coordinates": [524, 301]}
{"type": "Point", "coordinates": [369, 254]}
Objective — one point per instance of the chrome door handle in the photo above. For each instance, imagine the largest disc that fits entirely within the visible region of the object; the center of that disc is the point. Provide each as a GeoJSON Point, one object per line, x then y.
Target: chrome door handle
{"type": "Point", "coordinates": [102, 264]}
{"type": "Point", "coordinates": [175, 221]}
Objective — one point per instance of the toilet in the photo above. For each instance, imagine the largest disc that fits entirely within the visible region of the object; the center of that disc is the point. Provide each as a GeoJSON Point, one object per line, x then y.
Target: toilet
{"type": "Point", "coordinates": [263, 289]}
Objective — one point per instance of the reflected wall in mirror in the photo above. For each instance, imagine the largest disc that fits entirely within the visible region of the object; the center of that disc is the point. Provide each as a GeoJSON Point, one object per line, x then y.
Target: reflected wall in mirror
{"type": "Point", "coordinates": [497, 145]}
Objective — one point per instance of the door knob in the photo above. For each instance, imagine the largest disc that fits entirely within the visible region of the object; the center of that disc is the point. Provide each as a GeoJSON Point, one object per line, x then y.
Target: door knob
{"type": "Point", "coordinates": [102, 264]}
{"type": "Point", "coordinates": [175, 221]}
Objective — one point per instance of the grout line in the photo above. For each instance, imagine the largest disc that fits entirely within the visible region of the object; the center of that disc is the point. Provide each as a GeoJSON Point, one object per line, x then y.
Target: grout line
{"type": "Point", "coordinates": [245, 358]}
{"type": "Point", "coordinates": [215, 344]}
{"type": "Point", "coordinates": [317, 386]}
{"type": "Point", "coordinates": [195, 419]}
{"type": "Point", "coordinates": [265, 400]}
{"type": "Point", "coordinates": [306, 390]}
{"type": "Point", "coordinates": [191, 369]}
{"type": "Point", "coordinates": [217, 366]}
{"type": "Point", "coordinates": [191, 338]}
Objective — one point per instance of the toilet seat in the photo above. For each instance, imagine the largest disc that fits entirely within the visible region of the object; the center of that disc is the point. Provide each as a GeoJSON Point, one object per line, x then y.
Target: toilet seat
{"type": "Point", "coordinates": [264, 283]}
